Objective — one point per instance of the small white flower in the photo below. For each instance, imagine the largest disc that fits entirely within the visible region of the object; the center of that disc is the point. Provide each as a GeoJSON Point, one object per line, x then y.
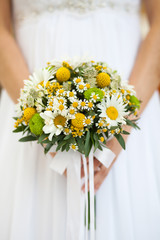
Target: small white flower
{"type": "Point", "coordinates": [88, 121]}
{"type": "Point", "coordinates": [94, 97]}
{"type": "Point", "coordinates": [73, 146]}
{"type": "Point", "coordinates": [78, 80]}
{"type": "Point", "coordinates": [83, 104]}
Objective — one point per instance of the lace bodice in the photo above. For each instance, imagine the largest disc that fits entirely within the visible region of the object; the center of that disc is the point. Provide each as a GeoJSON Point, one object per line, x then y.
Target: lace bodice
{"type": "Point", "coordinates": [26, 8]}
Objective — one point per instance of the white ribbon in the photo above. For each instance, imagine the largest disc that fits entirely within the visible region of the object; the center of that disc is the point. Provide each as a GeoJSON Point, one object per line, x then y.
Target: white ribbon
{"type": "Point", "coordinates": [72, 162]}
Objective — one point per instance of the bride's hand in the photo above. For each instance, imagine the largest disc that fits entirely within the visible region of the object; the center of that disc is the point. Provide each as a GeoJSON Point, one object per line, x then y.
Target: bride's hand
{"type": "Point", "coordinates": [100, 171]}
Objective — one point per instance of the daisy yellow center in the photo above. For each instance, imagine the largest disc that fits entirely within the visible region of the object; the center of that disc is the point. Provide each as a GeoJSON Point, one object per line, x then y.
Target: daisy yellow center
{"type": "Point", "coordinates": [90, 104]}
{"type": "Point", "coordinates": [61, 107]}
{"type": "Point", "coordinates": [83, 104]}
{"type": "Point", "coordinates": [87, 85]}
{"type": "Point", "coordinates": [28, 113]}
{"type": "Point", "coordinates": [102, 139]}
{"type": "Point", "coordinates": [73, 146]}
{"type": "Point", "coordinates": [71, 111]}
{"type": "Point", "coordinates": [88, 121]}
{"type": "Point", "coordinates": [78, 120]}
{"type": "Point", "coordinates": [95, 97]}
{"type": "Point", "coordinates": [78, 80]}
{"type": "Point", "coordinates": [63, 74]}
{"type": "Point", "coordinates": [61, 91]}
{"type": "Point", "coordinates": [112, 113]}
{"type": "Point", "coordinates": [71, 94]}
{"type": "Point", "coordinates": [103, 80]}
{"type": "Point", "coordinates": [51, 104]}
{"type": "Point", "coordinates": [100, 124]}
{"type": "Point", "coordinates": [67, 130]}
{"type": "Point", "coordinates": [61, 101]}
{"type": "Point", "coordinates": [59, 120]}
{"type": "Point", "coordinates": [81, 87]}
{"type": "Point", "coordinates": [75, 104]}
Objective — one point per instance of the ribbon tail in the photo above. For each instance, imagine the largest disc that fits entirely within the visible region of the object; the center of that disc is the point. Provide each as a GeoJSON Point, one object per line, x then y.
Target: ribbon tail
{"type": "Point", "coordinates": [86, 195]}
{"type": "Point", "coordinates": [74, 198]}
{"type": "Point", "coordinates": [91, 187]}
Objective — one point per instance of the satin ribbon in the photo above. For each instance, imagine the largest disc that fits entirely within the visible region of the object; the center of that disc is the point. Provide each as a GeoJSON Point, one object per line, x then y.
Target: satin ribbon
{"type": "Point", "coordinates": [71, 161]}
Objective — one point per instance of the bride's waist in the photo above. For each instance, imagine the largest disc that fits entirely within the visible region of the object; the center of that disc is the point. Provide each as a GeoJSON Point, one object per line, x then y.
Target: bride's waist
{"type": "Point", "coordinates": [78, 9]}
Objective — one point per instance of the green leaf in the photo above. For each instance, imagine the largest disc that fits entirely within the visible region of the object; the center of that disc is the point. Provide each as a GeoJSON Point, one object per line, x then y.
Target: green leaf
{"type": "Point", "coordinates": [19, 129]}
{"type": "Point", "coordinates": [48, 147]}
{"type": "Point", "coordinates": [28, 138]}
{"type": "Point", "coordinates": [42, 137]}
{"type": "Point", "coordinates": [67, 136]}
{"type": "Point", "coordinates": [125, 132]}
{"type": "Point", "coordinates": [120, 140]}
{"type": "Point", "coordinates": [132, 123]}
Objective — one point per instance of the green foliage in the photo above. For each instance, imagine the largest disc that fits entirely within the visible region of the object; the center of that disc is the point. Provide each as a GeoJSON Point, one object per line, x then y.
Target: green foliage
{"type": "Point", "coordinates": [134, 100]}
{"type": "Point", "coordinates": [36, 124]}
{"type": "Point", "coordinates": [97, 91]}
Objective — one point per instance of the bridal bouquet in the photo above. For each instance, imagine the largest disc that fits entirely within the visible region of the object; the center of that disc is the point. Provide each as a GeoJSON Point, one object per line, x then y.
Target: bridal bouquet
{"type": "Point", "coordinates": [75, 106]}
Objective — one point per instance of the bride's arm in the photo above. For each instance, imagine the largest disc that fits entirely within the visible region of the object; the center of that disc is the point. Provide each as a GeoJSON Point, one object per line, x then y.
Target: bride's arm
{"type": "Point", "coordinates": [145, 76]}
{"type": "Point", "coordinates": [13, 68]}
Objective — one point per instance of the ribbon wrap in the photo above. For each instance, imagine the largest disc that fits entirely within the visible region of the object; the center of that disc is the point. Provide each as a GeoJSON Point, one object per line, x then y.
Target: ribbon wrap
{"type": "Point", "coordinates": [71, 161]}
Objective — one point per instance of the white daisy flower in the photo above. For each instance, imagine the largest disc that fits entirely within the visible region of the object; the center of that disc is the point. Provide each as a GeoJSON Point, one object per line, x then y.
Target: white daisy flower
{"type": "Point", "coordinates": [73, 146]}
{"type": "Point", "coordinates": [78, 80]}
{"type": "Point", "coordinates": [72, 111]}
{"type": "Point", "coordinates": [54, 123]}
{"type": "Point", "coordinates": [60, 92]}
{"type": "Point", "coordinates": [88, 121]}
{"type": "Point", "coordinates": [113, 110]}
{"type": "Point", "coordinates": [83, 104]}
{"type": "Point", "coordinates": [90, 106]}
{"type": "Point", "coordinates": [75, 103]}
{"type": "Point", "coordinates": [40, 76]}
{"type": "Point", "coordinates": [71, 95]}
{"type": "Point", "coordinates": [94, 97]}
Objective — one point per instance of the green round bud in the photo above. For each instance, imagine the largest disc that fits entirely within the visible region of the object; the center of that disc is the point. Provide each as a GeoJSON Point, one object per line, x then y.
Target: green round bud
{"type": "Point", "coordinates": [97, 91]}
{"type": "Point", "coordinates": [135, 101]}
{"type": "Point", "coordinates": [36, 124]}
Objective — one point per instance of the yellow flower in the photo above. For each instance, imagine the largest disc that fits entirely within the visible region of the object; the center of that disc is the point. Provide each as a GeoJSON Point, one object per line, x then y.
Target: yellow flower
{"type": "Point", "coordinates": [103, 80]}
{"type": "Point", "coordinates": [88, 121]}
{"type": "Point", "coordinates": [112, 113]}
{"type": "Point", "coordinates": [63, 74]}
{"type": "Point", "coordinates": [61, 107]}
{"type": "Point", "coordinates": [75, 104]}
{"type": "Point", "coordinates": [28, 113]}
{"type": "Point", "coordinates": [102, 139]}
{"type": "Point", "coordinates": [78, 121]}
{"type": "Point", "coordinates": [90, 104]}
{"type": "Point", "coordinates": [87, 85]}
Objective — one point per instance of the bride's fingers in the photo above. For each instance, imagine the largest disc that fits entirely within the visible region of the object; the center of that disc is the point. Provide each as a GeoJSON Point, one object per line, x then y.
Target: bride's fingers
{"type": "Point", "coordinates": [99, 177]}
{"type": "Point", "coordinates": [52, 154]}
{"type": "Point", "coordinates": [65, 173]}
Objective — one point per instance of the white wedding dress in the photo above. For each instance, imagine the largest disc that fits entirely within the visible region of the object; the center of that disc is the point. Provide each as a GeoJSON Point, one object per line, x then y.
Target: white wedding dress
{"type": "Point", "coordinates": [32, 196]}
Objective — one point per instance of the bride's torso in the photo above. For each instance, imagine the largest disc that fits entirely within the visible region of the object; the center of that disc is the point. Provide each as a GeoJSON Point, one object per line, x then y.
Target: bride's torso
{"type": "Point", "coordinates": [104, 29]}
{"type": "Point", "coordinates": [23, 9]}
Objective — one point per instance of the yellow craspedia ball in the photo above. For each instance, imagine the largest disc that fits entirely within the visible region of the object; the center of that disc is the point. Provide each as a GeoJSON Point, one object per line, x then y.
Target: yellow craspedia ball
{"type": "Point", "coordinates": [103, 80]}
{"type": "Point", "coordinates": [28, 113]}
{"type": "Point", "coordinates": [78, 121]}
{"type": "Point", "coordinates": [63, 74]}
